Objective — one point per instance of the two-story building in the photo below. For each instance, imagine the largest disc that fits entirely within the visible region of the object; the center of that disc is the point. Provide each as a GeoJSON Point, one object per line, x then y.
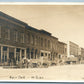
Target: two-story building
{"type": "Point", "coordinates": [20, 41]}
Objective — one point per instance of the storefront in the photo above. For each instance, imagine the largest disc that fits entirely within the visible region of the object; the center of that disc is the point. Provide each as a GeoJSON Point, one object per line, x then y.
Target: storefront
{"type": "Point", "coordinates": [11, 55]}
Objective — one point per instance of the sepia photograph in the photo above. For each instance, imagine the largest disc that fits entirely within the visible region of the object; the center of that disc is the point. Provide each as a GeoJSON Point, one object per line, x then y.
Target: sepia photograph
{"type": "Point", "coordinates": [41, 42]}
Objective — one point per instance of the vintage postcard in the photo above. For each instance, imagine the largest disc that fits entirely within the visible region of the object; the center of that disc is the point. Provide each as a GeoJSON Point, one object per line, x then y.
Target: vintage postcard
{"type": "Point", "coordinates": [42, 42]}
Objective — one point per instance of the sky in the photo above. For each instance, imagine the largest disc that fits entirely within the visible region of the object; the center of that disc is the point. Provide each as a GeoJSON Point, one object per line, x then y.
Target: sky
{"type": "Point", "coordinates": [66, 22]}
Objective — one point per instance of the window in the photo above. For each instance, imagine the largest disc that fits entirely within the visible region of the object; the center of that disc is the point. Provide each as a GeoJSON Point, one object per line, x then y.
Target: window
{"type": "Point", "coordinates": [7, 34]}
{"type": "Point", "coordinates": [22, 37]}
{"type": "Point", "coordinates": [41, 42]}
{"type": "Point", "coordinates": [48, 44]}
{"type": "Point", "coordinates": [28, 38]}
{"type": "Point", "coordinates": [5, 58]}
{"type": "Point", "coordinates": [48, 56]}
{"type": "Point", "coordinates": [18, 54]}
{"type": "Point", "coordinates": [32, 39]}
{"type": "Point", "coordinates": [36, 40]}
{"type": "Point", "coordinates": [45, 54]}
{"type": "Point", "coordinates": [22, 53]}
{"type": "Point", "coordinates": [41, 54]}
{"type": "Point", "coordinates": [45, 43]}
{"type": "Point", "coordinates": [15, 36]}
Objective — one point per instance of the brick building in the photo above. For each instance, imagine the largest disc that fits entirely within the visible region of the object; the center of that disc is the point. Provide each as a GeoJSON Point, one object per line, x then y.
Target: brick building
{"type": "Point", "coordinates": [73, 52]}
{"type": "Point", "coordinates": [20, 41]}
{"type": "Point", "coordinates": [73, 49]}
{"type": "Point", "coordinates": [82, 53]}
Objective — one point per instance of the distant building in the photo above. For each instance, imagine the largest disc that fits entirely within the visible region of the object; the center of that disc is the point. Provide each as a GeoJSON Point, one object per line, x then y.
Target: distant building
{"type": "Point", "coordinates": [73, 52]}
{"type": "Point", "coordinates": [81, 55]}
{"type": "Point", "coordinates": [73, 49]}
{"type": "Point", "coordinates": [62, 49]}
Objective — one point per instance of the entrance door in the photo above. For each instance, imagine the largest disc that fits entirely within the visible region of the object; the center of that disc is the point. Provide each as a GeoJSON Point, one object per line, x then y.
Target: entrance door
{"type": "Point", "coordinates": [5, 56]}
{"type": "Point", "coordinates": [17, 57]}
{"type": "Point", "coordinates": [11, 58]}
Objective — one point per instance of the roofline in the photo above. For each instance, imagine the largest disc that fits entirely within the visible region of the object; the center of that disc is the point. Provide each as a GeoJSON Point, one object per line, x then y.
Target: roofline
{"type": "Point", "coordinates": [73, 43]}
{"type": "Point", "coordinates": [54, 37]}
{"type": "Point", "coordinates": [12, 18]}
{"type": "Point", "coordinates": [62, 42]}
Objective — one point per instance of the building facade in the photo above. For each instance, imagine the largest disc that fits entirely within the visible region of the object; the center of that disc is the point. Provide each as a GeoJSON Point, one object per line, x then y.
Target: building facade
{"type": "Point", "coordinates": [81, 55]}
{"type": "Point", "coordinates": [20, 41]}
{"type": "Point", "coordinates": [73, 49]}
{"type": "Point", "coordinates": [12, 42]}
{"type": "Point", "coordinates": [73, 52]}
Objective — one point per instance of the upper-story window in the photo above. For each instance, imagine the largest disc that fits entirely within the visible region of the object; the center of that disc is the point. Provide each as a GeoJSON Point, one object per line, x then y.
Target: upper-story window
{"type": "Point", "coordinates": [48, 43]}
{"type": "Point", "coordinates": [7, 34]}
{"type": "Point", "coordinates": [32, 39]}
{"type": "Point", "coordinates": [41, 42]}
{"type": "Point", "coordinates": [45, 42]}
{"type": "Point", "coordinates": [28, 38]}
{"type": "Point", "coordinates": [36, 40]}
{"type": "Point", "coordinates": [65, 50]}
{"type": "Point", "coordinates": [0, 31]}
{"type": "Point", "coordinates": [22, 37]}
{"type": "Point", "coordinates": [56, 45]}
{"type": "Point", "coordinates": [15, 36]}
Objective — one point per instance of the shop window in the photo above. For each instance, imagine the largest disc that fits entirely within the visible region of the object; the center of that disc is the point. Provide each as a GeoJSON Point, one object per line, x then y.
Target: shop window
{"type": "Point", "coordinates": [18, 50]}
{"type": "Point", "coordinates": [22, 53]}
{"type": "Point", "coordinates": [48, 56]}
{"type": "Point", "coordinates": [31, 55]}
{"type": "Point", "coordinates": [41, 54]}
{"type": "Point", "coordinates": [4, 48]}
{"type": "Point", "coordinates": [17, 56]}
{"type": "Point", "coordinates": [28, 53]}
{"type": "Point", "coordinates": [5, 58]}
{"type": "Point", "coordinates": [59, 56]}
{"type": "Point", "coordinates": [45, 54]}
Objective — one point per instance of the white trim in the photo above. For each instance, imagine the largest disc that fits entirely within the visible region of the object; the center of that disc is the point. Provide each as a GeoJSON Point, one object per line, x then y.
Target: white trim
{"type": "Point", "coordinates": [41, 3]}
{"type": "Point", "coordinates": [11, 46]}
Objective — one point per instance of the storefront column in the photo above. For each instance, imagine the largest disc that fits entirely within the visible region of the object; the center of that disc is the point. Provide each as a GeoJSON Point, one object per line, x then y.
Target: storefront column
{"type": "Point", "coordinates": [1, 53]}
{"type": "Point", "coordinates": [25, 51]}
{"type": "Point", "coordinates": [15, 53]}
{"type": "Point", "coordinates": [37, 55]}
{"type": "Point", "coordinates": [30, 54]}
{"type": "Point", "coordinates": [7, 54]}
{"type": "Point", "coordinates": [20, 54]}
{"type": "Point", "coordinates": [34, 54]}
